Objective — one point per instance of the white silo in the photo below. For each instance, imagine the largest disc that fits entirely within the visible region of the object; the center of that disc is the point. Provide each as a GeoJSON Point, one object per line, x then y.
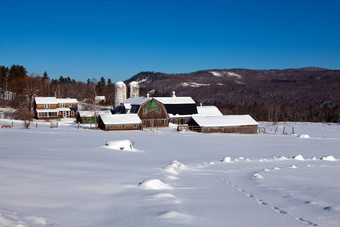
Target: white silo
{"type": "Point", "coordinates": [120, 92]}
{"type": "Point", "coordinates": [134, 89]}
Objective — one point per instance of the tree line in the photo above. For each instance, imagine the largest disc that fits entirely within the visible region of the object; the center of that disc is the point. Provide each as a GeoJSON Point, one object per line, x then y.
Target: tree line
{"type": "Point", "coordinates": [17, 88]}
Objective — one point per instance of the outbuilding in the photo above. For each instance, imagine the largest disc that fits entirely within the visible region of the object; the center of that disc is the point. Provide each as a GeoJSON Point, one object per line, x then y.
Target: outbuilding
{"type": "Point", "coordinates": [88, 116]}
{"type": "Point", "coordinates": [178, 109]}
{"type": "Point", "coordinates": [119, 122]}
{"type": "Point", "coordinates": [150, 111]}
{"type": "Point", "coordinates": [243, 124]}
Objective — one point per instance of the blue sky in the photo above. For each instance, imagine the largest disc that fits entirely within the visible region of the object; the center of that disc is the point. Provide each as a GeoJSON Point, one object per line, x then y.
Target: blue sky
{"type": "Point", "coordinates": [117, 39]}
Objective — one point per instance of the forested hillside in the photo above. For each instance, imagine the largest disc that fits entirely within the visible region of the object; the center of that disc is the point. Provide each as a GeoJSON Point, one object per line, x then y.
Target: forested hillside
{"type": "Point", "coordinates": [306, 94]}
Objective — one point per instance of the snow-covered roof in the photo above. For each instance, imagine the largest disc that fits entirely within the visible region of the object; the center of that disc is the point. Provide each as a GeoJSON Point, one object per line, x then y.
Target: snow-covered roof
{"type": "Point", "coordinates": [224, 121]}
{"type": "Point", "coordinates": [175, 100]}
{"type": "Point", "coordinates": [99, 98]}
{"type": "Point", "coordinates": [174, 116]}
{"type": "Point", "coordinates": [90, 113]}
{"type": "Point", "coordinates": [127, 106]}
{"type": "Point", "coordinates": [46, 110]}
{"type": "Point", "coordinates": [46, 100]}
{"type": "Point", "coordinates": [208, 111]}
{"type": "Point", "coordinates": [136, 100]}
{"type": "Point", "coordinates": [68, 100]}
{"type": "Point", "coordinates": [119, 119]}
{"type": "Point", "coordinates": [63, 109]}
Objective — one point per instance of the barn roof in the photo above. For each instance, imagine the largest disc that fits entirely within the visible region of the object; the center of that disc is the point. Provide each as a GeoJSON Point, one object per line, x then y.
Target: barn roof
{"type": "Point", "coordinates": [208, 111]}
{"type": "Point", "coordinates": [224, 121]}
{"type": "Point", "coordinates": [46, 100]}
{"type": "Point", "coordinates": [136, 100]}
{"type": "Point", "coordinates": [119, 119]}
{"type": "Point", "coordinates": [175, 100]}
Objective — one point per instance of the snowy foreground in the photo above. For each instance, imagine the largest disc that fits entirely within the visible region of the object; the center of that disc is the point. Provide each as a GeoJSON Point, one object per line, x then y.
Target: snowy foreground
{"type": "Point", "coordinates": [68, 177]}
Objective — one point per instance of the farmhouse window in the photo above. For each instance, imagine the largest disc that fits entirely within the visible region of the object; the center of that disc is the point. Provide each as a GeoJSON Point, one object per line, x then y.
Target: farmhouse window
{"type": "Point", "coordinates": [123, 126]}
{"type": "Point", "coordinates": [46, 106]}
{"type": "Point", "coordinates": [53, 114]}
{"type": "Point", "coordinates": [62, 104]}
{"type": "Point", "coordinates": [70, 105]}
{"type": "Point", "coordinates": [135, 126]}
{"type": "Point", "coordinates": [144, 111]}
{"type": "Point", "coordinates": [42, 114]}
{"type": "Point", "coordinates": [159, 121]}
{"type": "Point", "coordinates": [159, 110]}
{"type": "Point", "coordinates": [111, 126]}
{"type": "Point", "coordinates": [72, 113]}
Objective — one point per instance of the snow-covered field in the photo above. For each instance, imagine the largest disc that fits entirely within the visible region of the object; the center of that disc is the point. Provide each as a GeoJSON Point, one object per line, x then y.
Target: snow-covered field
{"type": "Point", "coordinates": [68, 177]}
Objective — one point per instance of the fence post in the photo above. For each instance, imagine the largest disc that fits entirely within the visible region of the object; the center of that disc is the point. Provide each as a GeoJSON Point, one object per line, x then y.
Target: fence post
{"type": "Point", "coordinates": [276, 129]}
{"type": "Point", "coordinates": [284, 128]}
{"type": "Point", "coordinates": [293, 130]}
{"type": "Point", "coordinates": [36, 124]}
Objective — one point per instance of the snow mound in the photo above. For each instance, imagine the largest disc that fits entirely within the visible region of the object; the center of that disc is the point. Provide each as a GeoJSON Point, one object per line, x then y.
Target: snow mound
{"type": "Point", "coordinates": [283, 158]}
{"type": "Point", "coordinates": [304, 136]}
{"type": "Point", "coordinates": [164, 196]}
{"type": "Point", "coordinates": [11, 218]}
{"type": "Point", "coordinates": [226, 159]}
{"type": "Point", "coordinates": [298, 157]}
{"type": "Point", "coordinates": [154, 184]}
{"type": "Point", "coordinates": [124, 145]}
{"type": "Point", "coordinates": [258, 176]}
{"type": "Point", "coordinates": [313, 158]}
{"type": "Point", "coordinates": [293, 167]}
{"type": "Point", "coordinates": [276, 168]}
{"type": "Point", "coordinates": [167, 197]}
{"type": "Point", "coordinates": [174, 168]}
{"type": "Point", "coordinates": [328, 158]}
{"type": "Point", "coordinates": [174, 215]}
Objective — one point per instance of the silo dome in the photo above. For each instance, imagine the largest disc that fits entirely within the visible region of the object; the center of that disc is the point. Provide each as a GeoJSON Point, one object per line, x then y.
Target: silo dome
{"type": "Point", "coordinates": [120, 92]}
{"type": "Point", "coordinates": [134, 89]}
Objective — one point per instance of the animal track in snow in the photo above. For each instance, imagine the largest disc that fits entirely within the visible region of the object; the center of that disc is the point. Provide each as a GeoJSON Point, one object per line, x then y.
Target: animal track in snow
{"type": "Point", "coordinates": [276, 209]}
{"type": "Point", "coordinates": [260, 201]}
{"type": "Point", "coordinates": [304, 221]}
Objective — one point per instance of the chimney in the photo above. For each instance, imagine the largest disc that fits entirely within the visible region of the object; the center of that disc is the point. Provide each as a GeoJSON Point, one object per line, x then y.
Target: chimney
{"type": "Point", "coordinates": [173, 94]}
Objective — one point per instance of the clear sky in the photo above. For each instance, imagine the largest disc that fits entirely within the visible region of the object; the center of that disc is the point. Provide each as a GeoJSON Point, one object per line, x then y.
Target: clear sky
{"type": "Point", "coordinates": [117, 39]}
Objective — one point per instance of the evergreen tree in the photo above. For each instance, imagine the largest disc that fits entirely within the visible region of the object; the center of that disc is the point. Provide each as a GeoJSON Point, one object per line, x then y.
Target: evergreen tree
{"type": "Point", "coordinates": [45, 76]}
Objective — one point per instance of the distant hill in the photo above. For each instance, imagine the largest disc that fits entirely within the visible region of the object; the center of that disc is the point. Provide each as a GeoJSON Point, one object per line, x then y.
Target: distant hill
{"type": "Point", "coordinates": [291, 94]}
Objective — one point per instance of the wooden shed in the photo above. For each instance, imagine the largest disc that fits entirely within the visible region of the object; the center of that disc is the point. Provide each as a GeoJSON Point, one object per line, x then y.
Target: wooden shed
{"type": "Point", "coordinates": [244, 124]}
{"type": "Point", "coordinates": [87, 116]}
{"type": "Point", "coordinates": [119, 122]}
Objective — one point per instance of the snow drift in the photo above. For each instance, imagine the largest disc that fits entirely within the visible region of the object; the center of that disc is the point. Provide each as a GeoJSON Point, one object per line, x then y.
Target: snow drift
{"type": "Point", "coordinates": [154, 184]}
{"type": "Point", "coordinates": [124, 145]}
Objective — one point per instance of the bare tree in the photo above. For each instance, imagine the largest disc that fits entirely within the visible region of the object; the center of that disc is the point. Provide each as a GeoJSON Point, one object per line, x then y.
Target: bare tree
{"type": "Point", "coordinates": [25, 115]}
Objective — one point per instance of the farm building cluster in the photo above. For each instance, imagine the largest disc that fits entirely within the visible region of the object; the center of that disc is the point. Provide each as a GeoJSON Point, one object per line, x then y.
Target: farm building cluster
{"type": "Point", "coordinates": [136, 113]}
